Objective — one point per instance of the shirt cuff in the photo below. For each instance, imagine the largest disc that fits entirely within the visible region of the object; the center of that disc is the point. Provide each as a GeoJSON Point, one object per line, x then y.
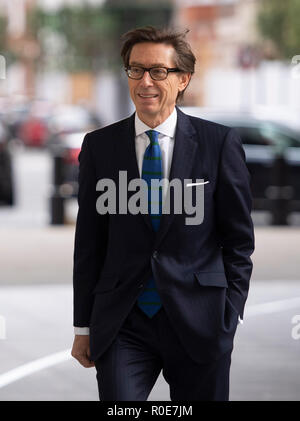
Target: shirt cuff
{"type": "Point", "coordinates": [241, 321]}
{"type": "Point", "coordinates": [81, 330]}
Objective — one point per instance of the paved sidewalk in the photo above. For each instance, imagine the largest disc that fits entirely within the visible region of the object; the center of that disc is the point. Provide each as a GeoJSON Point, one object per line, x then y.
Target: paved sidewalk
{"type": "Point", "coordinates": [36, 277]}
{"type": "Point", "coordinates": [45, 255]}
{"type": "Point", "coordinates": [36, 255]}
{"type": "Point", "coordinates": [265, 361]}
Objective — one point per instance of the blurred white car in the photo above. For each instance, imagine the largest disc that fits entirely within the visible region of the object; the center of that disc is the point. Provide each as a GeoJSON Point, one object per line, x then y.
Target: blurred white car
{"type": "Point", "coordinates": [272, 150]}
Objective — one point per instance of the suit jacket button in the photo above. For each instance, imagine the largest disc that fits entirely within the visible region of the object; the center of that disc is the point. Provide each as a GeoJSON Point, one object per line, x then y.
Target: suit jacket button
{"type": "Point", "coordinates": [155, 254]}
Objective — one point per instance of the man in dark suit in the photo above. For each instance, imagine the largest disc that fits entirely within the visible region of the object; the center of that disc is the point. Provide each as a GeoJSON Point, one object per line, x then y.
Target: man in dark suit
{"type": "Point", "coordinates": [151, 291]}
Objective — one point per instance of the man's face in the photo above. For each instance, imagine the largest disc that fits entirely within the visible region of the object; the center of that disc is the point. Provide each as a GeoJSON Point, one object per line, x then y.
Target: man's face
{"type": "Point", "coordinates": [155, 100]}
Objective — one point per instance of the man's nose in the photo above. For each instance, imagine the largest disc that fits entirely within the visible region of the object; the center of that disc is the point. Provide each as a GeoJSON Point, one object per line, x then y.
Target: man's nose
{"type": "Point", "coordinates": [146, 79]}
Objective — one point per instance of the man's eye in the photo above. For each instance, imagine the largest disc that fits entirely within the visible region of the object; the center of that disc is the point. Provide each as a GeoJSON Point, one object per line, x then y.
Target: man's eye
{"type": "Point", "coordinates": [158, 71]}
{"type": "Point", "coordinates": [136, 70]}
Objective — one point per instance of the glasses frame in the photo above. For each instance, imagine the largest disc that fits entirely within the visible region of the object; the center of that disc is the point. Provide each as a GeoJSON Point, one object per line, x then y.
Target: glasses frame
{"type": "Point", "coordinates": [148, 69]}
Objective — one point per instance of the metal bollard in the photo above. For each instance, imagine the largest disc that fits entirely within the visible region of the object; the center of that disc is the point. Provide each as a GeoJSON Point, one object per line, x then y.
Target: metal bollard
{"type": "Point", "coordinates": [280, 202]}
{"type": "Point", "coordinates": [57, 200]}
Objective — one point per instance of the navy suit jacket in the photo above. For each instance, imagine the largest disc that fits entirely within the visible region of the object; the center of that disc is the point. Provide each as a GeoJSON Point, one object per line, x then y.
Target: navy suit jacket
{"type": "Point", "coordinates": [202, 272]}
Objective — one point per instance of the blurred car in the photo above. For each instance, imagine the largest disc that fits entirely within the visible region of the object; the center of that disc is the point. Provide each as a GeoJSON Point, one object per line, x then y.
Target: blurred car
{"type": "Point", "coordinates": [70, 119]}
{"type": "Point", "coordinates": [39, 123]}
{"type": "Point", "coordinates": [33, 131]}
{"type": "Point", "coordinates": [6, 171]}
{"type": "Point", "coordinates": [26, 121]}
{"type": "Point", "coordinates": [14, 116]}
{"type": "Point", "coordinates": [68, 126]}
{"type": "Point", "coordinates": [272, 152]}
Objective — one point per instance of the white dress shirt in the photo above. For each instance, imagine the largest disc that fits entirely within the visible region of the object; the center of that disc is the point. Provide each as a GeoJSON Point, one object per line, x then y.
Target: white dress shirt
{"type": "Point", "coordinates": [166, 139]}
{"type": "Point", "coordinates": [166, 142]}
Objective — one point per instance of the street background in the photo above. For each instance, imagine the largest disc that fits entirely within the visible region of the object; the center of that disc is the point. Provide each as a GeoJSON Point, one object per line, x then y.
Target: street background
{"type": "Point", "coordinates": [243, 64]}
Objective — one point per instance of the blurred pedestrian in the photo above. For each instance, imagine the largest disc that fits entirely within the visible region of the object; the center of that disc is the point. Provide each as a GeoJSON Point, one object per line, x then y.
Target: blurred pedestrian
{"type": "Point", "coordinates": [151, 292]}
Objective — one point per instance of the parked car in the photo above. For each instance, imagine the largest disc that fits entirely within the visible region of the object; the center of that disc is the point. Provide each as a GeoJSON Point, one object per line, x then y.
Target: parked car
{"type": "Point", "coordinates": [38, 123]}
{"type": "Point", "coordinates": [6, 170]}
{"type": "Point", "coordinates": [70, 119]}
{"type": "Point", "coordinates": [27, 122]}
{"type": "Point", "coordinates": [67, 127]}
{"type": "Point", "coordinates": [272, 152]}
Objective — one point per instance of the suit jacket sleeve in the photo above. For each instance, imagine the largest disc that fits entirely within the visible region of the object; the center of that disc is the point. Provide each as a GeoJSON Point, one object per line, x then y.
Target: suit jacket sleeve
{"type": "Point", "coordinates": [90, 239]}
{"type": "Point", "coordinates": [234, 222]}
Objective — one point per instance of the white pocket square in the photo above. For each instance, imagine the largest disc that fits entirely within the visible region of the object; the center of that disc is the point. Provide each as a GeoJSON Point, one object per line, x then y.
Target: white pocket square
{"type": "Point", "coordinates": [197, 184]}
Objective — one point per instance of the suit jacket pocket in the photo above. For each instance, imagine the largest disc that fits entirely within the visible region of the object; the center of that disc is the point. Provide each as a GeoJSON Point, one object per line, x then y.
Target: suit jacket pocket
{"type": "Point", "coordinates": [106, 284]}
{"type": "Point", "coordinates": [211, 279]}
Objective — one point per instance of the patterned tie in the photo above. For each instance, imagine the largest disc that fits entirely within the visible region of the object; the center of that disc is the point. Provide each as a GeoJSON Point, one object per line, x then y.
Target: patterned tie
{"type": "Point", "coordinates": [149, 300]}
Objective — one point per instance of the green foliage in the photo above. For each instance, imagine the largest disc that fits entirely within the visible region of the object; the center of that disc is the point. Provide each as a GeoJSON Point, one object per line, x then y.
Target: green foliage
{"type": "Point", "coordinates": [9, 55]}
{"type": "Point", "coordinates": [90, 35]}
{"type": "Point", "coordinates": [278, 21]}
{"type": "Point", "coordinates": [2, 32]}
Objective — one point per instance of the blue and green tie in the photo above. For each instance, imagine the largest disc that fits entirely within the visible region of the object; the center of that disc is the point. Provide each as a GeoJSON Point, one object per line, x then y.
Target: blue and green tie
{"type": "Point", "coordinates": [149, 301]}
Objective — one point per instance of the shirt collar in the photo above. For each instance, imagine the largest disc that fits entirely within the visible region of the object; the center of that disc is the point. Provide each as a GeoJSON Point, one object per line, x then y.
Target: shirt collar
{"type": "Point", "coordinates": [167, 127]}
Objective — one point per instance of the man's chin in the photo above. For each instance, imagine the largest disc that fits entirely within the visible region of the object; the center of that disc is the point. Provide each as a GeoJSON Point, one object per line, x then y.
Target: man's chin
{"type": "Point", "coordinates": [149, 110]}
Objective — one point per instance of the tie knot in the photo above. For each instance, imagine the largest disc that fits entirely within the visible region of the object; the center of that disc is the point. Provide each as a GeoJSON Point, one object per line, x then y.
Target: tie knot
{"type": "Point", "coordinates": [153, 135]}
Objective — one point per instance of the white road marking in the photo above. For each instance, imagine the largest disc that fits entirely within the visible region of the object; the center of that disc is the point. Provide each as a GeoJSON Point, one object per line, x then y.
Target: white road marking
{"type": "Point", "coordinates": [272, 307]}
{"type": "Point", "coordinates": [59, 357]}
{"type": "Point", "coordinates": [34, 366]}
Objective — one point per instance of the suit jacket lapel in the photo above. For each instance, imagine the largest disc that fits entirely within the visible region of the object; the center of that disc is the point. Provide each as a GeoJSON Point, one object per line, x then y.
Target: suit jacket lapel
{"type": "Point", "coordinates": [182, 163]}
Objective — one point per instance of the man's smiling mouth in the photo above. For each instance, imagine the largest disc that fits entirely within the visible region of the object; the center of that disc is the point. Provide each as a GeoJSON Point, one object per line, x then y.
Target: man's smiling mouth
{"type": "Point", "coordinates": [148, 95]}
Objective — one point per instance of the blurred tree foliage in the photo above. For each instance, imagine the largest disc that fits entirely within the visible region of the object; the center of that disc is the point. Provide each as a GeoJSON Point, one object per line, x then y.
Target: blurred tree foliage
{"type": "Point", "coordinates": [278, 21]}
{"type": "Point", "coordinates": [5, 50]}
{"type": "Point", "coordinates": [87, 37]}
{"type": "Point", "coordinates": [3, 23]}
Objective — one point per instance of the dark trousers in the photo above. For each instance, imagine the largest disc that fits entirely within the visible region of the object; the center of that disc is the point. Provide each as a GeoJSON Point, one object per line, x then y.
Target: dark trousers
{"type": "Point", "coordinates": [129, 368]}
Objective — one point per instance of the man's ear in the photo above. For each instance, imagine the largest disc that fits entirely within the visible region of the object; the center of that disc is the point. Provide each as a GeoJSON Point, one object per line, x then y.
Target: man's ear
{"type": "Point", "coordinates": [184, 80]}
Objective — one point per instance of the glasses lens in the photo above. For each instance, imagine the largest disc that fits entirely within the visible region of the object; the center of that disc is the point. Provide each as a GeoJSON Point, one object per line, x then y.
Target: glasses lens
{"type": "Point", "coordinates": [158, 73]}
{"type": "Point", "coordinates": [135, 72]}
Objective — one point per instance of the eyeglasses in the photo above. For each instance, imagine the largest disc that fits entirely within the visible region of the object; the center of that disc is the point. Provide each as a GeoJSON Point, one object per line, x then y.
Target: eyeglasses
{"type": "Point", "coordinates": [156, 73]}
